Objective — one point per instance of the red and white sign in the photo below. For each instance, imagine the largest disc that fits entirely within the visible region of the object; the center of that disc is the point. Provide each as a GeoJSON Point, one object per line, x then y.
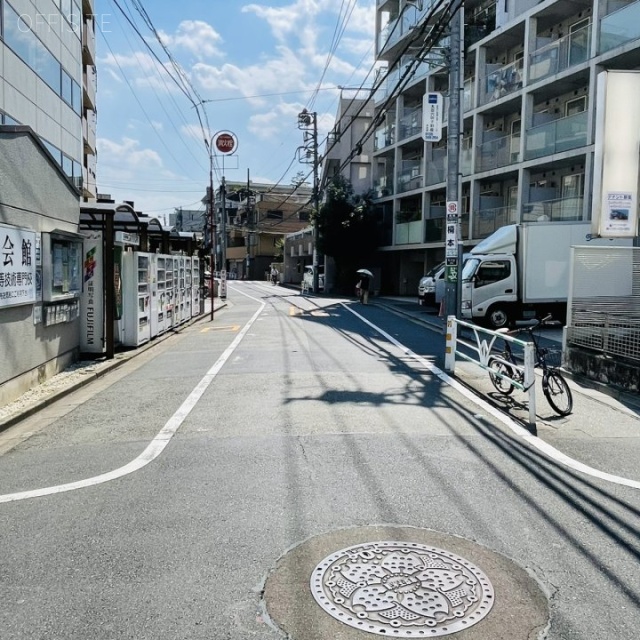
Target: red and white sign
{"type": "Point", "coordinates": [226, 142]}
{"type": "Point", "coordinates": [452, 207]}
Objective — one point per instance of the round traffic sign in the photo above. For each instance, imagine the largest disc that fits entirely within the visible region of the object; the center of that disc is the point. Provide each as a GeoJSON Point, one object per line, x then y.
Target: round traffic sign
{"type": "Point", "coordinates": [452, 206]}
{"type": "Point", "coordinates": [225, 142]}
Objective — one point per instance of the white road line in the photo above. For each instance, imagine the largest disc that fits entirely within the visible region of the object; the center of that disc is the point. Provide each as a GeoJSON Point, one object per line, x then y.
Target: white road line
{"type": "Point", "coordinates": [534, 441]}
{"type": "Point", "coordinates": [157, 445]}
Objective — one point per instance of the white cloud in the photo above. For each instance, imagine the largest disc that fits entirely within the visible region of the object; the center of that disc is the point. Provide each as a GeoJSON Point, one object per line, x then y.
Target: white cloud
{"type": "Point", "coordinates": [127, 154]}
{"type": "Point", "coordinates": [195, 36]}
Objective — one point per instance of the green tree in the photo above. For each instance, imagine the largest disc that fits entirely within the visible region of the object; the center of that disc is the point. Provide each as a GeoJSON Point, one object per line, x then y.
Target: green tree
{"type": "Point", "coordinates": [347, 231]}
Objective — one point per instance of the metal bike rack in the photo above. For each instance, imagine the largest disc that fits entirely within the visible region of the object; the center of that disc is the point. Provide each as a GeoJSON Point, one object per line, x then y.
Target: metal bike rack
{"type": "Point", "coordinates": [482, 348]}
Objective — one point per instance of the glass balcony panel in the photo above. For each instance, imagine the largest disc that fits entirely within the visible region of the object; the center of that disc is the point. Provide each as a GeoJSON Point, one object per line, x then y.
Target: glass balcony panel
{"type": "Point", "coordinates": [468, 95]}
{"type": "Point", "coordinates": [409, 232]}
{"type": "Point", "coordinates": [436, 167]}
{"type": "Point", "coordinates": [619, 27]}
{"type": "Point", "coordinates": [501, 82]}
{"type": "Point", "coordinates": [384, 137]}
{"type": "Point", "coordinates": [466, 157]}
{"type": "Point", "coordinates": [410, 176]}
{"type": "Point", "coordinates": [486, 221]}
{"type": "Point", "coordinates": [552, 57]}
{"type": "Point", "coordinates": [553, 137]}
{"type": "Point", "coordinates": [383, 186]}
{"type": "Point", "coordinates": [411, 123]}
{"type": "Point", "coordinates": [498, 152]}
{"type": "Point", "coordinates": [559, 210]}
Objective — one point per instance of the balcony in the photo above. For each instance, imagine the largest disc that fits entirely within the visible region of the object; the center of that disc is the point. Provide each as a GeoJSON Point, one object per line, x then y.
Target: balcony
{"type": "Point", "coordinates": [501, 82]}
{"type": "Point", "coordinates": [436, 167]}
{"type": "Point", "coordinates": [383, 186]}
{"type": "Point", "coordinates": [559, 210]}
{"type": "Point", "coordinates": [434, 227]}
{"type": "Point", "coordinates": [90, 78]}
{"type": "Point", "coordinates": [486, 221]}
{"type": "Point", "coordinates": [89, 124]}
{"type": "Point", "coordinates": [551, 57]}
{"type": "Point", "coordinates": [409, 232]}
{"type": "Point", "coordinates": [384, 137]}
{"type": "Point", "coordinates": [411, 123]}
{"type": "Point", "coordinates": [410, 176]}
{"type": "Point", "coordinates": [619, 27]}
{"type": "Point", "coordinates": [466, 157]}
{"type": "Point", "coordinates": [559, 135]}
{"type": "Point", "coordinates": [89, 42]}
{"type": "Point", "coordinates": [498, 152]}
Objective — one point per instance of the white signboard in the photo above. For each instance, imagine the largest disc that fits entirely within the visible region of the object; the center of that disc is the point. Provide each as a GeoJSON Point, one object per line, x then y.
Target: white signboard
{"type": "Point", "coordinates": [451, 240]}
{"type": "Point", "coordinates": [17, 266]}
{"type": "Point", "coordinates": [432, 114]}
{"type": "Point", "coordinates": [223, 284]}
{"type": "Point", "coordinates": [616, 158]}
{"type": "Point", "coordinates": [92, 338]}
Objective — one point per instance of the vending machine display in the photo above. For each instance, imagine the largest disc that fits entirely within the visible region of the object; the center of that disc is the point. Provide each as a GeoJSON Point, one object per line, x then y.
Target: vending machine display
{"type": "Point", "coordinates": [136, 283]}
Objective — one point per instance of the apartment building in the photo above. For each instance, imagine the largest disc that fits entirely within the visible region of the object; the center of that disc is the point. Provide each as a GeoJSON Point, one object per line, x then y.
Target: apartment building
{"type": "Point", "coordinates": [528, 99]}
{"type": "Point", "coordinates": [48, 80]}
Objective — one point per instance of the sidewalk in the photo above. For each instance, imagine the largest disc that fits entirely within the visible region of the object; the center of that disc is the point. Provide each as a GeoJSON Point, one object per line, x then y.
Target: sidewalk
{"type": "Point", "coordinates": [82, 373]}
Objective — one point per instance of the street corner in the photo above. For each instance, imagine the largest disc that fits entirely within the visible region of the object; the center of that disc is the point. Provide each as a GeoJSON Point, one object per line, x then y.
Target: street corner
{"type": "Point", "coordinates": [402, 582]}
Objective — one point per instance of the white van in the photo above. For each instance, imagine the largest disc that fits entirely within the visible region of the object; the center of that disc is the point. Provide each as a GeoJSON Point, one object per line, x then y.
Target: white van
{"type": "Point", "coordinates": [432, 286]}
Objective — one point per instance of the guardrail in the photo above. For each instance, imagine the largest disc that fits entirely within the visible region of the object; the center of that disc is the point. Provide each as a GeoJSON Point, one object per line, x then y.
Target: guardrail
{"type": "Point", "coordinates": [483, 353]}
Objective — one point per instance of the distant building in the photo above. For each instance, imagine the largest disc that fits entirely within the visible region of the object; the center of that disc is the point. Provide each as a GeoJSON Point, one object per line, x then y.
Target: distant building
{"type": "Point", "coordinates": [187, 220]}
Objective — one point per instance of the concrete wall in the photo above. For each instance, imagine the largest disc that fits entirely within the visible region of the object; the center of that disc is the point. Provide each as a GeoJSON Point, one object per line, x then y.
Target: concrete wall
{"type": "Point", "coordinates": [34, 194]}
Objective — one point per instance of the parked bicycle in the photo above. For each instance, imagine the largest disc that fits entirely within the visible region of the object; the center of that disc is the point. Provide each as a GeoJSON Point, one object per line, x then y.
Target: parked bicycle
{"type": "Point", "coordinates": [504, 370]}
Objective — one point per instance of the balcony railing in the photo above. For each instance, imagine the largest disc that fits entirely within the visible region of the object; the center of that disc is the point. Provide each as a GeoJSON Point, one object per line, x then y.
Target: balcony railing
{"type": "Point", "coordinates": [434, 230]}
{"type": "Point", "coordinates": [466, 157]}
{"type": "Point", "coordinates": [501, 82]}
{"type": "Point", "coordinates": [556, 56]}
{"type": "Point", "coordinates": [553, 137]}
{"type": "Point", "coordinates": [486, 221]}
{"type": "Point", "coordinates": [383, 186]}
{"type": "Point", "coordinates": [436, 167]}
{"type": "Point", "coordinates": [409, 232]}
{"type": "Point", "coordinates": [384, 137]}
{"type": "Point", "coordinates": [410, 176]}
{"type": "Point", "coordinates": [498, 152]}
{"type": "Point", "coordinates": [559, 210]}
{"type": "Point", "coordinates": [619, 27]}
{"type": "Point", "coordinates": [411, 123]}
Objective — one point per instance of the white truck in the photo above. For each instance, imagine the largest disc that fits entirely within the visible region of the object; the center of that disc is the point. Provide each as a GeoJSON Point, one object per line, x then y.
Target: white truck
{"type": "Point", "coordinates": [521, 272]}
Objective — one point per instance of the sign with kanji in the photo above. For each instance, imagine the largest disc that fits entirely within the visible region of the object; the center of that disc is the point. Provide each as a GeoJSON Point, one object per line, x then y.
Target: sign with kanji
{"type": "Point", "coordinates": [451, 240]}
{"type": "Point", "coordinates": [17, 266]}
{"type": "Point", "coordinates": [432, 116]}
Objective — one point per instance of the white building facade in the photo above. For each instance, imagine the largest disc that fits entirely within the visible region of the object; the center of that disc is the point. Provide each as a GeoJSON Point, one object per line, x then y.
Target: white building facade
{"type": "Point", "coordinates": [48, 80]}
{"type": "Point", "coordinates": [528, 124]}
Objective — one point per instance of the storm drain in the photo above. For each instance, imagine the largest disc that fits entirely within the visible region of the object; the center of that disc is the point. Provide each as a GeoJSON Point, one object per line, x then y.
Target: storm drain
{"type": "Point", "coordinates": [402, 589]}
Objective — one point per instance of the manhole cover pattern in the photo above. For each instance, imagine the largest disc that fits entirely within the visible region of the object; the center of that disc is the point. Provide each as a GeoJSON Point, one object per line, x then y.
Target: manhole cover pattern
{"type": "Point", "coordinates": [402, 589]}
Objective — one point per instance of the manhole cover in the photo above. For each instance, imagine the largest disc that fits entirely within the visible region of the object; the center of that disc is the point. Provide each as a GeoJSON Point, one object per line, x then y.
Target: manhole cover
{"type": "Point", "coordinates": [402, 589]}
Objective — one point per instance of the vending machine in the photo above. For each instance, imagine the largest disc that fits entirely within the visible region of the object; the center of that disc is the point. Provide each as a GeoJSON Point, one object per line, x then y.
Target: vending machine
{"type": "Point", "coordinates": [195, 286]}
{"type": "Point", "coordinates": [169, 292]}
{"type": "Point", "coordinates": [161, 294]}
{"type": "Point", "coordinates": [136, 308]}
{"type": "Point", "coordinates": [188, 284]}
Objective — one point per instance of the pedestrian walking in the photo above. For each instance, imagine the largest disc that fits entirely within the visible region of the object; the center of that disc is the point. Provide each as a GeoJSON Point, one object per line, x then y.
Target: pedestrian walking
{"type": "Point", "coordinates": [274, 275]}
{"type": "Point", "coordinates": [363, 288]}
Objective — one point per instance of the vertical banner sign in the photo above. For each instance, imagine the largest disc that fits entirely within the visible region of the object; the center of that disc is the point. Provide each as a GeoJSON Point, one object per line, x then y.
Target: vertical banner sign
{"type": "Point", "coordinates": [17, 266]}
{"type": "Point", "coordinates": [432, 115]}
{"type": "Point", "coordinates": [92, 338]}
{"type": "Point", "coordinates": [451, 242]}
{"type": "Point", "coordinates": [616, 159]}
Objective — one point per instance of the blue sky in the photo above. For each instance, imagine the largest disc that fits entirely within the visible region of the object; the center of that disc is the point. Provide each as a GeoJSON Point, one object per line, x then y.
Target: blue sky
{"type": "Point", "coordinates": [150, 144]}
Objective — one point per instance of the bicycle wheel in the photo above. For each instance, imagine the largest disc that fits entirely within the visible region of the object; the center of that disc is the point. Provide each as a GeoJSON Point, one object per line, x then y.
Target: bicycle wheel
{"type": "Point", "coordinates": [501, 384]}
{"type": "Point", "coordinates": [557, 393]}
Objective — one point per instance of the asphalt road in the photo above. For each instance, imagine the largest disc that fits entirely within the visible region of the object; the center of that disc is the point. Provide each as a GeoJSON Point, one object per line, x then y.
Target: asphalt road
{"type": "Point", "coordinates": [191, 493]}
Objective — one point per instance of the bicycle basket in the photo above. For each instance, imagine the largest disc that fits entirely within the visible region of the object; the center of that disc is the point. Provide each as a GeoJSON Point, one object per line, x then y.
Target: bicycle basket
{"type": "Point", "coordinates": [553, 357]}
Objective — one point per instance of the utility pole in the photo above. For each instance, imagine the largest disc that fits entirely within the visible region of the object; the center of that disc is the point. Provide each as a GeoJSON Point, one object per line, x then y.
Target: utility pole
{"type": "Point", "coordinates": [212, 233]}
{"type": "Point", "coordinates": [223, 233]}
{"type": "Point", "coordinates": [308, 122]}
{"type": "Point", "coordinates": [453, 235]}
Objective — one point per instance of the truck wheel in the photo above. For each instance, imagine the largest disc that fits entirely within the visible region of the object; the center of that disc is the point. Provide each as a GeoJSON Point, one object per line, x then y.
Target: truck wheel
{"type": "Point", "coordinates": [498, 317]}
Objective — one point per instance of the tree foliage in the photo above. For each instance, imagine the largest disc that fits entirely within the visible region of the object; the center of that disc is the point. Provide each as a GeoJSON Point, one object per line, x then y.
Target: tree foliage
{"type": "Point", "coordinates": [347, 230]}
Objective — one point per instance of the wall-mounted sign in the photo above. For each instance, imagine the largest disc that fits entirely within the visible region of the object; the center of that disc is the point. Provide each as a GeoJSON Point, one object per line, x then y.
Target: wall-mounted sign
{"type": "Point", "coordinates": [92, 303]}
{"type": "Point", "coordinates": [432, 116]}
{"type": "Point", "coordinates": [124, 237]}
{"type": "Point", "coordinates": [616, 158]}
{"type": "Point", "coordinates": [17, 266]}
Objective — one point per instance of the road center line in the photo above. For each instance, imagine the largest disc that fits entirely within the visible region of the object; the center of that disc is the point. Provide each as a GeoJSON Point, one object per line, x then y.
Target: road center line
{"type": "Point", "coordinates": [534, 441]}
{"type": "Point", "coordinates": [157, 445]}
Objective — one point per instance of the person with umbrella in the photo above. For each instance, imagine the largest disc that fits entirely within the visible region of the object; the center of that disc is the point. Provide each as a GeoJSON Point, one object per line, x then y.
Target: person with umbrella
{"type": "Point", "coordinates": [363, 285]}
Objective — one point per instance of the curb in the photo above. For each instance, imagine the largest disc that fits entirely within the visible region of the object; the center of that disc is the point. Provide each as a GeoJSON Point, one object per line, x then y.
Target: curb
{"type": "Point", "coordinates": [108, 368]}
